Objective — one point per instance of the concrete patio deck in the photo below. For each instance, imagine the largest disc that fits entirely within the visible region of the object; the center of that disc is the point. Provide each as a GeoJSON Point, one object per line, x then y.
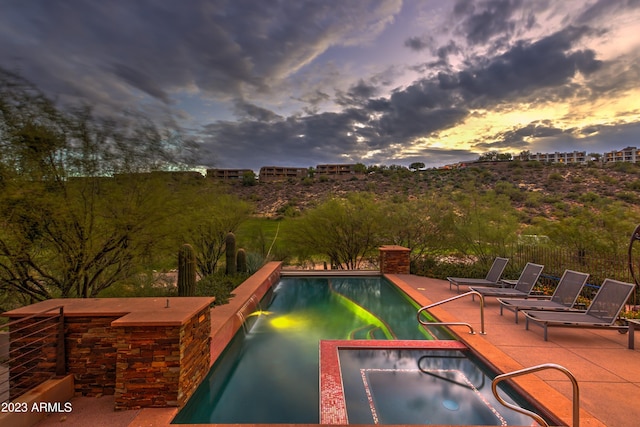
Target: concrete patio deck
{"type": "Point", "coordinates": [607, 371]}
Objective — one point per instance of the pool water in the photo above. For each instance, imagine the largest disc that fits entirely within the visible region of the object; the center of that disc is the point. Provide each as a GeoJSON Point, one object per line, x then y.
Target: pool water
{"type": "Point", "coordinates": [418, 386]}
{"type": "Point", "coordinates": [269, 373]}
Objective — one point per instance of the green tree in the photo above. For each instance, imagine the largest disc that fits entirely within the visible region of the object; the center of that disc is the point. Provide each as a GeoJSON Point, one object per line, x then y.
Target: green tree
{"type": "Point", "coordinates": [484, 224]}
{"type": "Point", "coordinates": [360, 168]}
{"type": "Point", "coordinates": [207, 216]}
{"type": "Point", "coordinates": [248, 179]}
{"type": "Point", "coordinates": [599, 228]}
{"type": "Point", "coordinates": [344, 230]}
{"type": "Point", "coordinates": [77, 214]}
{"type": "Point", "coordinates": [488, 156]}
{"type": "Point", "coordinates": [416, 166]}
{"type": "Point", "coordinates": [524, 155]}
{"type": "Point", "coordinates": [423, 225]}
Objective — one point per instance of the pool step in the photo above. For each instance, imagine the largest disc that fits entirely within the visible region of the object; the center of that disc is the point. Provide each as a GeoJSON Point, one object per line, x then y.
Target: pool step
{"type": "Point", "coordinates": [368, 332]}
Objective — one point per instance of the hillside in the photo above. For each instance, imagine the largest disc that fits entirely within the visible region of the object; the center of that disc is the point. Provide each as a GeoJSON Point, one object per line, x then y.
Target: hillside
{"type": "Point", "coordinates": [531, 186]}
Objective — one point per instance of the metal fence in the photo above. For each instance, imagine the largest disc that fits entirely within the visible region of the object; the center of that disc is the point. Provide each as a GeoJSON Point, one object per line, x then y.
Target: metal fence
{"type": "Point", "coordinates": [33, 352]}
{"type": "Point", "coordinates": [557, 260]}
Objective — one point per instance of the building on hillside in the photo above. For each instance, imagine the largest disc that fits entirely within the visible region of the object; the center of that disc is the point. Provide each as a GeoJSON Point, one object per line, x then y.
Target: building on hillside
{"type": "Point", "coordinates": [340, 171]}
{"type": "Point", "coordinates": [629, 154]}
{"type": "Point", "coordinates": [227, 174]}
{"type": "Point", "coordinates": [576, 157]}
{"type": "Point", "coordinates": [281, 173]}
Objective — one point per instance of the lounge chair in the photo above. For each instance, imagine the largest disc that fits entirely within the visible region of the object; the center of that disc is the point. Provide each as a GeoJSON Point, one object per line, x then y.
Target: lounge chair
{"type": "Point", "coordinates": [492, 278]}
{"type": "Point", "coordinates": [522, 289]}
{"type": "Point", "coordinates": [563, 298]}
{"type": "Point", "coordinates": [602, 313]}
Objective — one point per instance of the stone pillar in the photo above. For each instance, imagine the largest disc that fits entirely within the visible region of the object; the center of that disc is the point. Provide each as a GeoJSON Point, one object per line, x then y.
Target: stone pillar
{"type": "Point", "coordinates": [394, 259]}
{"type": "Point", "coordinates": [161, 366]}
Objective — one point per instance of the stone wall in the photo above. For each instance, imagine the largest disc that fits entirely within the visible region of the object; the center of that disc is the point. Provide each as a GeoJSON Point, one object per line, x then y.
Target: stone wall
{"type": "Point", "coordinates": [147, 367]}
{"type": "Point", "coordinates": [146, 359]}
{"type": "Point", "coordinates": [161, 366]}
{"type": "Point", "coordinates": [394, 260]}
{"type": "Point", "coordinates": [91, 354]}
{"type": "Point", "coordinates": [195, 343]}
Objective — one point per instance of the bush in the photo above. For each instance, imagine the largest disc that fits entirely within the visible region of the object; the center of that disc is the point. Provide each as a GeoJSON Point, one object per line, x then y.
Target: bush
{"type": "Point", "coordinates": [627, 196]}
{"type": "Point", "coordinates": [625, 167]}
{"type": "Point", "coordinates": [431, 267]}
{"type": "Point", "coordinates": [555, 177]}
{"type": "Point", "coordinates": [219, 286]}
{"type": "Point", "coordinates": [534, 164]}
{"type": "Point", "coordinates": [633, 185]}
{"type": "Point", "coordinates": [144, 285]}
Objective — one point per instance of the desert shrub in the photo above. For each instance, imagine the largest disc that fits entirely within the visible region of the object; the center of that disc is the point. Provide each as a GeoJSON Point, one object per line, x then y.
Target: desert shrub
{"type": "Point", "coordinates": [220, 286]}
{"type": "Point", "coordinates": [633, 185]}
{"type": "Point", "coordinates": [589, 197]}
{"type": "Point", "coordinates": [511, 191]}
{"type": "Point", "coordinates": [551, 198]}
{"type": "Point", "coordinates": [533, 199]}
{"type": "Point", "coordinates": [143, 285]}
{"type": "Point", "coordinates": [555, 177]}
{"type": "Point", "coordinates": [516, 164]}
{"type": "Point", "coordinates": [533, 164]}
{"type": "Point", "coordinates": [625, 167]}
{"type": "Point", "coordinates": [438, 269]}
{"type": "Point", "coordinates": [627, 196]}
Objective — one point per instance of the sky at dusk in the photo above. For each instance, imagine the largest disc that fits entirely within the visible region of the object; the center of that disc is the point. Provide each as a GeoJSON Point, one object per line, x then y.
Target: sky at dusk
{"type": "Point", "coordinates": [300, 83]}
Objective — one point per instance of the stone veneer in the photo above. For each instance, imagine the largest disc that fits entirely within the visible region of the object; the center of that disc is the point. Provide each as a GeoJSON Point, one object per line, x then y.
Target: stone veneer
{"type": "Point", "coordinates": [148, 352]}
{"type": "Point", "coordinates": [394, 259]}
{"type": "Point", "coordinates": [161, 366]}
{"type": "Point", "coordinates": [91, 354]}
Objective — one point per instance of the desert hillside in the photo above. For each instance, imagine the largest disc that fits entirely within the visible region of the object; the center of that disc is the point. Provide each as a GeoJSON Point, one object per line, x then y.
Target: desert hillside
{"type": "Point", "coordinates": [518, 180]}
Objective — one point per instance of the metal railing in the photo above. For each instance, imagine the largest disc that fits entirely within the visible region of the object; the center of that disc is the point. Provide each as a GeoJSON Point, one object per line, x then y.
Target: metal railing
{"type": "Point", "coordinates": [35, 350]}
{"type": "Point", "coordinates": [471, 330]}
{"type": "Point", "coordinates": [536, 417]}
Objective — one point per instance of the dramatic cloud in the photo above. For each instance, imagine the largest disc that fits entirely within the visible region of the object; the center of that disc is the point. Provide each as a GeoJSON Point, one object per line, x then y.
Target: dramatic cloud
{"type": "Point", "coordinates": [374, 81]}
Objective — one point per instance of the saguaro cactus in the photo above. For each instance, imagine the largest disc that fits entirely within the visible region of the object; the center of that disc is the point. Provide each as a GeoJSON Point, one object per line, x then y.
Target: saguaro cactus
{"type": "Point", "coordinates": [230, 252]}
{"type": "Point", "coordinates": [241, 260]}
{"type": "Point", "coordinates": [186, 271]}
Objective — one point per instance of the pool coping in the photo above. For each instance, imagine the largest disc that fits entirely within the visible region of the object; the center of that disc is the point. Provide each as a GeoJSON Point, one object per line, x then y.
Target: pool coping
{"type": "Point", "coordinates": [140, 311]}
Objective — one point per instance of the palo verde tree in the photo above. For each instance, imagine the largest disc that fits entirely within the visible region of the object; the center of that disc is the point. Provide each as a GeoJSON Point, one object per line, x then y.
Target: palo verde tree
{"type": "Point", "coordinates": [208, 215]}
{"type": "Point", "coordinates": [595, 228]}
{"type": "Point", "coordinates": [423, 224]}
{"type": "Point", "coordinates": [344, 230]}
{"type": "Point", "coordinates": [484, 223]}
{"type": "Point", "coordinates": [75, 212]}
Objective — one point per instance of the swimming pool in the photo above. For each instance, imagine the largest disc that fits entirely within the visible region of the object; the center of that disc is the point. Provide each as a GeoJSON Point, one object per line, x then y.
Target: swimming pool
{"type": "Point", "coordinates": [269, 373]}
